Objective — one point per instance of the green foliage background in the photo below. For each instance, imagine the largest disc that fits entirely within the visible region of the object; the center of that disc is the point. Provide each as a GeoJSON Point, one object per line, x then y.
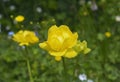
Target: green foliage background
{"type": "Point", "coordinates": [102, 64]}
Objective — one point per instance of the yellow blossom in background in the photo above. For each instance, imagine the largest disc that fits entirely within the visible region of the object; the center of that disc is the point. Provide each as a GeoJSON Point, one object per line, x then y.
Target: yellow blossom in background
{"type": "Point", "coordinates": [108, 34]}
{"type": "Point", "coordinates": [25, 37]}
{"type": "Point", "coordinates": [31, 22]}
{"type": "Point", "coordinates": [60, 42]}
{"type": "Point", "coordinates": [19, 18]}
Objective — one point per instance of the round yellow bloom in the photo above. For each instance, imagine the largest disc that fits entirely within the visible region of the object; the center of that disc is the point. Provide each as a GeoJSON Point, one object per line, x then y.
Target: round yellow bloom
{"type": "Point", "coordinates": [108, 34]}
{"type": "Point", "coordinates": [25, 37]}
{"type": "Point", "coordinates": [19, 18]}
{"type": "Point", "coordinates": [60, 42]}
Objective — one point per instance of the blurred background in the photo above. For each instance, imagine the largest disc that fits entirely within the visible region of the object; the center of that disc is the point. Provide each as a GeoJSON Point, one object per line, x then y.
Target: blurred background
{"type": "Point", "coordinates": [96, 21]}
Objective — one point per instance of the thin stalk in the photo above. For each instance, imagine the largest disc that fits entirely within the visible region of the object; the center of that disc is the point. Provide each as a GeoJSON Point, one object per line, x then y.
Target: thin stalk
{"type": "Point", "coordinates": [65, 71]}
{"type": "Point", "coordinates": [29, 71]}
{"type": "Point", "coordinates": [28, 65]}
{"type": "Point", "coordinates": [75, 68]}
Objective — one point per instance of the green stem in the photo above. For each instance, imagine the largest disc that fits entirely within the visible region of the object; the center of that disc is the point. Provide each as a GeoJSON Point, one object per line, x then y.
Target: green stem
{"type": "Point", "coordinates": [29, 71]}
{"type": "Point", "coordinates": [28, 65]}
{"type": "Point", "coordinates": [65, 70]}
{"type": "Point", "coordinates": [75, 68]}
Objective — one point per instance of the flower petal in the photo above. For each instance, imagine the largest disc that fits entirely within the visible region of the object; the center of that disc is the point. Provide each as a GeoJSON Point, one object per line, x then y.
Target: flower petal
{"type": "Point", "coordinates": [22, 44]}
{"type": "Point", "coordinates": [55, 40]}
{"type": "Point", "coordinates": [70, 53]}
{"type": "Point", "coordinates": [65, 31]}
{"type": "Point", "coordinates": [58, 58]}
{"type": "Point", "coordinates": [87, 50]}
{"type": "Point", "coordinates": [55, 53]}
{"type": "Point", "coordinates": [44, 45]}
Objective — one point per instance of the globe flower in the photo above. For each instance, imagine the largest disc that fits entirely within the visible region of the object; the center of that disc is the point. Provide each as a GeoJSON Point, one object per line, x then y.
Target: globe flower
{"type": "Point", "coordinates": [60, 42]}
{"type": "Point", "coordinates": [19, 18]}
{"type": "Point", "coordinates": [107, 34]}
{"type": "Point", "coordinates": [25, 37]}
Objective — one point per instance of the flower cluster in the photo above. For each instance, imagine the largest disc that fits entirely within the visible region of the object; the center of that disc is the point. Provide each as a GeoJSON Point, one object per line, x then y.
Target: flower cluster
{"type": "Point", "coordinates": [25, 37]}
{"type": "Point", "coordinates": [62, 42]}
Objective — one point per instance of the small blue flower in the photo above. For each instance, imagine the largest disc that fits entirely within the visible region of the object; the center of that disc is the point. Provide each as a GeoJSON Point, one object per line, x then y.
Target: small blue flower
{"type": "Point", "coordinates": [10, 33]}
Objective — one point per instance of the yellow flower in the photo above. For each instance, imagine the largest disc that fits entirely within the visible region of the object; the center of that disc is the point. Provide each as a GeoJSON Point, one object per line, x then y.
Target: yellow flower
{"type": "Point", "coordinates": [107, 34]}
{"type": "Point", "coordinates": [19, 18]}
{"type": "Point", "coordinates": [82, 47]}
{"type": "Point", "coordinates": [25, 37]}
{"type": "Point", "coordinates": [60, 42]}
